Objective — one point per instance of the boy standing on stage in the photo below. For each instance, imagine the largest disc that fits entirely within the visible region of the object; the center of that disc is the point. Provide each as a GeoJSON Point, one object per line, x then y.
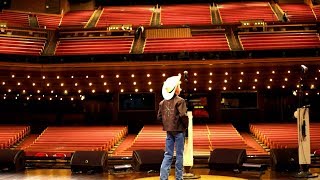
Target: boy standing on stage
{"type": "Point", "coordinates": [173, 114]}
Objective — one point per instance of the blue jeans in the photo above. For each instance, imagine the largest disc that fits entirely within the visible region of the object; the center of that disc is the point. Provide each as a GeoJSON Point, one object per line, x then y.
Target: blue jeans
{"type": "Point", "coordinates": [172, 139]}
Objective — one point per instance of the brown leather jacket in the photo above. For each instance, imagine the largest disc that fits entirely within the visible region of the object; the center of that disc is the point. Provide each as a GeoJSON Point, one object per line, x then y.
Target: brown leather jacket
{"type": "Point", "coordinates": [173, 114]}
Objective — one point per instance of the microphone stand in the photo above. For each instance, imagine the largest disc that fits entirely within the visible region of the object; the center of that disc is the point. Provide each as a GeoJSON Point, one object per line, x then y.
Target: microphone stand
{"type": "Point", "coordinates": [302, 115]}
{"type": "Point", "coordinates": [188, 148]}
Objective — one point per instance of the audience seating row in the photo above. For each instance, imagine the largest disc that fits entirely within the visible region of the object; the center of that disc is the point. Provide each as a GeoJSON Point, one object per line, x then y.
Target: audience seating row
{"type": "Point", "coordinates": [48, 21]}
{"type": "Point", "coordinates": [134, 15]}
{"type": "Point", "coordinates": [76, 18]}
{"type": "Point", "coordinates": [11, 134]}
{"type": "Point", "coordinates": [15, 18]}
{"type": "Point", "coordinates": [301, 13]}
{"type": "Point", "coordinates": [276, 135]}
{"type": "Point", "coordinates": [63, 141]}
{"type": "Point", "coordinates": [21, 45]}
{"type": "Point", "coordinates": [316, 10]}
{"type": "Point", "coordinates": [236, 12]}
{"type": "Point", "coordinates": [86, 46]}
{"type": "Point", "coordinates": [279, 40]}
{"type": "Point", "coordinates": [196, 43]}
{"type": "Point", "coordinates": [226, 136]}
{"type": "Point", "coordinates": [188, 14]}
{"type": "Point", "coordinates": [149, 137]}
{"type": "Point", "coordinates": [205, 139]}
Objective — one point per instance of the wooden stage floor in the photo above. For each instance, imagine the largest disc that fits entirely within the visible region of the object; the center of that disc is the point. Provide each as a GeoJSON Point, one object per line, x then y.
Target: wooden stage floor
{"type": "Point", "coordinates": [205, 173]}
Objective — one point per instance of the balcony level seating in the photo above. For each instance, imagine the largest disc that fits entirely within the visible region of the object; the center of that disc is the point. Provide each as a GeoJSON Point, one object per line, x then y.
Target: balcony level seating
{"type": "Point", "coordinates": [298, 12]}
{"type": "Point", "coordinates": [21, 45]}
{"type": "Point", "coordinates": [63, 141]}
{"type": "Point", "coordinates": [279, 40]}
{"type": "Point", "coordinates": [15, 18]}
{"type": "Point", "coordinates": [196, 43]}
{"type": "Point", "coordinates": [76, 18]}
{"type": "Point", "coordinates": [128, 15]}
{"type": "Point", "coordinates": [194, 14]}
{"type": "Point", "coordinates": [285, 135]}
{"type": "Point", "coordinates": [48, 21]}
{"type": "Point", "coordinates": [11, 134]}
{"type": "Point", "coordinates": [87, 46]}
{"type": "Point", "coordinates": [316, 10]}
{"type": "Point", "coordinates": [236, 12]}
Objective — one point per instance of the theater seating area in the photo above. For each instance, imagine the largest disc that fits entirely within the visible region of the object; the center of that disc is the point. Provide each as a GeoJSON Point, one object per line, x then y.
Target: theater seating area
{"type": "Point", "coordinates": [205, 139]}
{"type": "Point", "coordinates": [15, 18]}
{"type": "Point", "coordinates": [76, 18]}
{"type": "Point", "coordinates": [298, 12]}
{"type": "Point", "coordinates": [63, 141]}
{"type": "Point", "coordinates": [195, 14]}
{"type": "Point", "coordinates": [201, 144]}
{"type": "Point", "coordinates": [127, 15]}
{"type": "Point", "coordinates": [87, 46]}
{"type": "Point", "coordinates": [150, 137]}
{"type": "Point", "coordinates": [236, 12]}
{"type": "Point", "coordinates": [196, 43]}
{"type": "Point", "coordinates": [11, 134]}
{"type": "Point", "coordinates": [226, 136]}
{"type": "Point", "coordinates": [279, 40]}
{"type": "Point", "coordinates": [316, 10]}
{"type": "Point", "coordinates": [21, 45]}
{"type": "Point", "coordinates": [277, 135]}
{"type": "Point", "coordinates": [48, 21]}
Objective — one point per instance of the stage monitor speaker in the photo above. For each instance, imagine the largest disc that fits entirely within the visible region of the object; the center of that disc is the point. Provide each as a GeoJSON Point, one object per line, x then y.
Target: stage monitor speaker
{"type": "Point", "coordinates": [227, 159]}
{"type": "Point", "coordinates": [12, 160]}
{"type": "Point", "coordinates": [145, 160]}
{"type": "Point", "coordinates": [284, 159]}
{"type": "Point", "coordinates": [89, 161]}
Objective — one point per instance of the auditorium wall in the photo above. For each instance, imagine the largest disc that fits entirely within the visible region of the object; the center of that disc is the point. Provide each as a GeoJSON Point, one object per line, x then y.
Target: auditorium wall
{"type": "Point", "coordinates": [25, 5]}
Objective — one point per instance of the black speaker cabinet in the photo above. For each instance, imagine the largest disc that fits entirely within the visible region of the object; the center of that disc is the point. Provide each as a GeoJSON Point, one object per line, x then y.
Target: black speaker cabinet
{"type": "Point", "coordinates": [12, 160]}
{"type": "Point", "coordinates": [284, 159]}
{"type": "Point", "coordinates": [145, 160]}
{"type": "Point", "coordinates": [227, 159]}
{"type": "Point", "coordinates": [89, 161]}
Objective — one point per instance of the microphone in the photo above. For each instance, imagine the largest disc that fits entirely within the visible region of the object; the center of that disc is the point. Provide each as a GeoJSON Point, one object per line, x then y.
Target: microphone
{"type": "Point", "coordinates": [304, 68]}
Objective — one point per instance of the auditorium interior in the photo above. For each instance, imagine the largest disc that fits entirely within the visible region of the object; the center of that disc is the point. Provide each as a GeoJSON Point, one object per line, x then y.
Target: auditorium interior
{"type": "Point", "coordinates": [80, 86]}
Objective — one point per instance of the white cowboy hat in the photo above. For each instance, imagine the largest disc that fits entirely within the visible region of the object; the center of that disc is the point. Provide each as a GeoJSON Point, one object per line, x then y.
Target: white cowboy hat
{"type": "Point", "coordinates": [169, 86]}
